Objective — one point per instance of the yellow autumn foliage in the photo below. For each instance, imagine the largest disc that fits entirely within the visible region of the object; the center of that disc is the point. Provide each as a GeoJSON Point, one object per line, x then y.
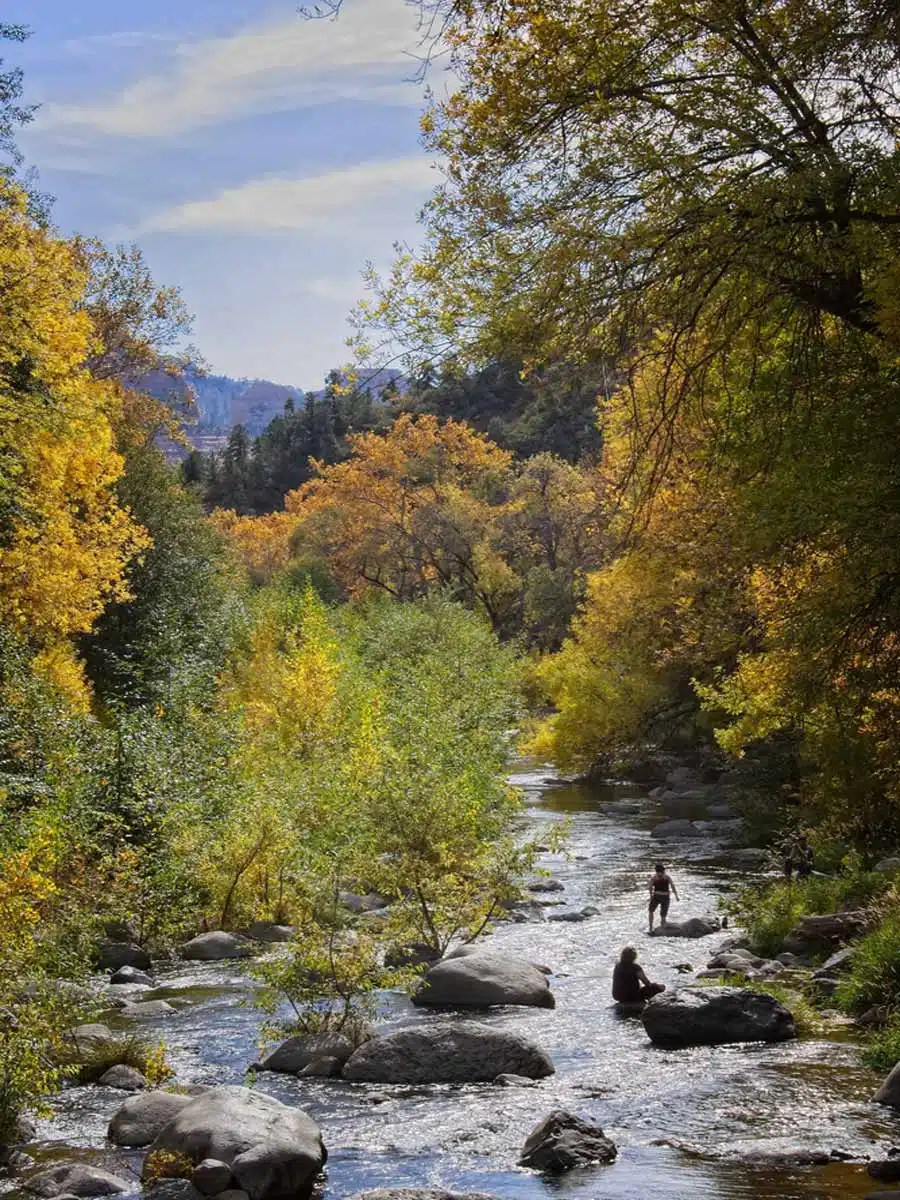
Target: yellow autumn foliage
{"type": "Point", "coordinates": [66, 540]}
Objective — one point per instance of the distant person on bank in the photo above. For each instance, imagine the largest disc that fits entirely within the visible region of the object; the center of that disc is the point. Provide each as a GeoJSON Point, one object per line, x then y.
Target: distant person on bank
{"type": "Point", "coordinates": [630, 985]}
{"type": "Point", "coordinates": [662, 889]}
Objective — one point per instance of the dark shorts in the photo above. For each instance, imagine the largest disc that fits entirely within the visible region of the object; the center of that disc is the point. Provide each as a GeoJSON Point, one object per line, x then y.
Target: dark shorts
{"type": "Point", "coordinates": [660, 900]}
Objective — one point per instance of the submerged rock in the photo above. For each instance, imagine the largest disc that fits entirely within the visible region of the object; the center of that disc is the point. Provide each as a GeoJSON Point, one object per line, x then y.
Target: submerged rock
{"type": "Point", "coordinates": [563, 1141]}
{"type": "Point", "coordinates": [676, 829]}
{"type": "Point", "coordinates": [483, 979]}
{"type": "Point", "coordinates": [77, 1179]}
{"type": "Point", "coordinates": [147, 1009]}
{"type": "Point", "coordinates": [447, 1052]}
{"type": "Point", "coordinates": [273, 1150]}
{"type": "Point", "coordinates": [712, 1016]}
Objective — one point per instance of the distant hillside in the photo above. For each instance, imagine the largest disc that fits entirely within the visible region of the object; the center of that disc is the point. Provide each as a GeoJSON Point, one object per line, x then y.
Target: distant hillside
{"type": "Point", "coordinates": [222, 402]}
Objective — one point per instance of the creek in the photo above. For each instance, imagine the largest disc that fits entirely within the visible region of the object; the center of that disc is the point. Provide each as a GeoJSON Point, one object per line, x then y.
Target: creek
{"type": "Point", "coordinates": [708, 1122]}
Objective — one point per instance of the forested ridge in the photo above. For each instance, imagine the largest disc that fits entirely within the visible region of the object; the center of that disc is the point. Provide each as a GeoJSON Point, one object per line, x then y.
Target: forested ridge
{"type": "Point", "coordinates": [638, 496]}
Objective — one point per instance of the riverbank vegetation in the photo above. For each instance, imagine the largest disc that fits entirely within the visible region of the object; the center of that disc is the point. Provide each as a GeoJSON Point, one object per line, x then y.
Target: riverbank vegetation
{"type": "Point", "coordinates": [682, 219]}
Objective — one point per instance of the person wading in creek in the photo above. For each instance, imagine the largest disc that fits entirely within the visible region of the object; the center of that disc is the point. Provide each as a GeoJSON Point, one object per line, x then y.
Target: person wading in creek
{"type": "Point", "coordinates": [661, 891]}
{"type": "Point", "coordinates": [630, 985]}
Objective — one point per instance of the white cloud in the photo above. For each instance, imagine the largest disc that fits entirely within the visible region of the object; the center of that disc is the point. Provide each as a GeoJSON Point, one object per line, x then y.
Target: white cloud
{"type": "Point", "coordinates": [277, 66]}
{"type": "Point", "coordinates": [352, 196]}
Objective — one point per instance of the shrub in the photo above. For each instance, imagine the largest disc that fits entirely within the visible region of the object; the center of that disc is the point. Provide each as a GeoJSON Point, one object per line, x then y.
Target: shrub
{"type": "Point", "coordinates": [882, 1049]}
{"type": "Point", "coordinates": [91, 1062]}
{"type": "Point", "coordinates": [166, 1164]}
{"type": "Point", "coordinates": [769, 914]}
{"type": "Point", "coordinates": [875, 975]}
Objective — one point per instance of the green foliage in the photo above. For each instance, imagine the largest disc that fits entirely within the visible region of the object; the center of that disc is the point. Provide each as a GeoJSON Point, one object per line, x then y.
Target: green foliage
{"type": "Point", "coordinates": [177, 622]}
{"type": "Point", "coordinates": [875, 974]}
{"type": "Point", "coordinates": [769, 913]}
{"type": "Point", "coordinates": [89, 1062]}
{"type": "Point", "coordinates": [552, 412]}
{"type": "Point", "coordinates": [881, 1050]}
{"type": "Point", "coordinates": [329, 976]}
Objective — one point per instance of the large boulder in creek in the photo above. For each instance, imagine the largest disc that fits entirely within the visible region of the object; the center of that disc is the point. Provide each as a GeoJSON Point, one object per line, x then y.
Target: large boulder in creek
{"type": "Point", "coordinates": [713, 1016]}
{"type": "Point", "coordinates": [211, 947]}
{"type": "Point", "coordinates": [693, 927]}
{"type": "Point", "coordinates": [889, 1092]}
{"type": "Point", "coordinates": [109, 956]}
{"type": "Point", "coordinates": [563, 1141]}
{"type": "Point", "coordinates": [141, 1118]}
{"type": "Point", "coordinates": [76, 1179]}
{"type": "Point", "coordinates": [268, 931]}
{"type": "Point", "coordinates": [292, 1056]}
{"type": "Point", "coordinates": [273, 1150]}
{"type": "Point", "coordinates": [447, 1052]}
{"type": "Point", "coordinates": [481, 980]}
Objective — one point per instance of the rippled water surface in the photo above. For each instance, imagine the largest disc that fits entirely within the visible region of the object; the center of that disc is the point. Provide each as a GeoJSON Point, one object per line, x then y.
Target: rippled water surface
{"type": "Point", "coordinates": [689, 1124]}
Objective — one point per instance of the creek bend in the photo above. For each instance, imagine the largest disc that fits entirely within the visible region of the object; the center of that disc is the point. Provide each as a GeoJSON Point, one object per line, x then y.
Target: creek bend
{"type": "Point", "coordinates": [689, 1124]}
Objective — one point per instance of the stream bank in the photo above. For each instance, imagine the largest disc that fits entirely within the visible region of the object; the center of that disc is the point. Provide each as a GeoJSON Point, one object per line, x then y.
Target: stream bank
{"type": "Point", "coordinates": [716, 1122]}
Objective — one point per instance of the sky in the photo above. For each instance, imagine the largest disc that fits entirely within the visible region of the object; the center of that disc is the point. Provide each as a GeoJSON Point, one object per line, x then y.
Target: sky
{"type": "Point", "coordinates": [259, 158]}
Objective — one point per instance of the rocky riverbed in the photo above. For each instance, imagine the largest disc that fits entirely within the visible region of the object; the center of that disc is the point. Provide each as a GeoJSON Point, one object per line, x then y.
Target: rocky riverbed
{"type": "Point", "coordinates": [785, 1119]}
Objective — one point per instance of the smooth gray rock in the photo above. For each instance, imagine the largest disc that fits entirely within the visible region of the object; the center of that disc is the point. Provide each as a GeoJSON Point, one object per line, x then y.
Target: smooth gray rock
{"type": "Point", "coordinates": [147, 1009]}
{"type": "Point", "coordinates": [713, 1016]}
{"type": "Point", "coordinates": [563, 1141]}
{"type": "Point", "coordinates": [268, 931]}
{"type": "Point", "coordinates": [294, 1055]}
{"type": "Point", "coordinates": [676, 829]}
{"type": "Point", "coordinates": [841, 960]}
{"type": "Point", "coordinates": [273, 1150]}
{"type": "Point", "coordinates": [109, 956]}
{"type": "Point", "coordinates": [515, 1081]}
{"type": "Point", "coordinates": [77, 1179]}
{"type": "Point", "coordinates": [447, 1052]}
{"type": "Point", "coordinates": [888, 866]}
{"type": "Point", "coordinates": [889, 1092]}
{"type": "Point", "coordinates": [86, 1037]}
{"type": "Point", "coordinates": [130, 974]}
{"type": "Point", "coordinates": [693, 803]}
{"type": "Point", "coordinates": [141, 1117]}
{"type": "Point", "coordinates": [824, 931]}
{"type": "Point", "coordinates": [693, 927]}
{"type": "Point", "coordinates": [483, 979]}
{"type": "Point", "coordinates": [212, 1176]}
{"type": "Point", "coordinates": [125, 1078]}
{"type": "Point", "coordinates": [214, 946]}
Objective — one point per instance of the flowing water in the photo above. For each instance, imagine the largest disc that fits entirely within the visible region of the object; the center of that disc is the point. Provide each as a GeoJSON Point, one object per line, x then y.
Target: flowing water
{"type": "Point", "coordinates": [689, 1124]}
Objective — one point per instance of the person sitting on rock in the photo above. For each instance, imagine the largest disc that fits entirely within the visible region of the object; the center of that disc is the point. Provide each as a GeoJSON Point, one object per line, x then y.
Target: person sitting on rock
{"type": "Point", "coordinates": [661, 891]}
{"type": "Point", "coordinates": [630, 985]}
